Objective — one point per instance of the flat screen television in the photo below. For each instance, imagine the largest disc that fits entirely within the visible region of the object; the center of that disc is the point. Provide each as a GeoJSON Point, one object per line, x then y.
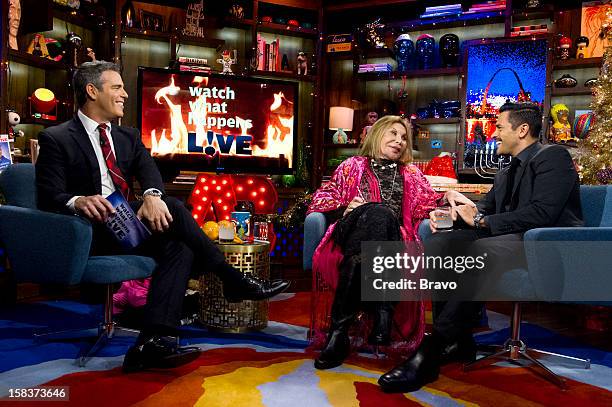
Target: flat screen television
{"type": "Point", "coordinates": [218, 123]}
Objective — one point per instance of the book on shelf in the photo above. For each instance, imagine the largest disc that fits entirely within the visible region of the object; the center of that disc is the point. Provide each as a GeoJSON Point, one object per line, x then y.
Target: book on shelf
{"type": "Point", "coordinates": [261, 53]}
{"type": "Point", "coordinates": [124, 225]}
{"type": "Point", "coordinates": [444, 7]}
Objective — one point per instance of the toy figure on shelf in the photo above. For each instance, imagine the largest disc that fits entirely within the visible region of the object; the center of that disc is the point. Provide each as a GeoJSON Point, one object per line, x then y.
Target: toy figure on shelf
{"type": "Point", "coordinates": [75, 42]}
{"type": "Point", "coordinates": [302, 64]}
{"type": "Point", "coordinates": [236, 11]}
{"type": "Point", "coordinates": [565, 44]}
{"type": "Point", "coordinates": [371, 118]}
{"type": "Point", "coordinates": [14, 18]}
{"type": "Point", "coordinates": [450, 50]}
{"type": "Point", "coordinates": [404, 52]}
{"type": "Point", "coordinates": [582, 43]}
{"type": "Point", "coordinates": [14, 120]}
{"type": "Point", "coordinates": [227, 61]}
{"type": "Point", "coordinates": [561, 130]}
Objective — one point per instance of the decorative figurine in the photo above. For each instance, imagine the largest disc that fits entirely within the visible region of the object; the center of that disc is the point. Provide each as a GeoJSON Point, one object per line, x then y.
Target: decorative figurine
{"type": "Point", "coordinates": [14, 120]}
{"type": "Point", "coordinates": [561, 130]}
{"type": "Point", "coordinates": [371, 118]}
{"type": "Point", "coordinates": [566, 81]}
{"type": "Point", "coordinates": [374, 33]}
{"type": "Point", "coordinates": [236, 11]}
{"type": "Point", "coordinates": [589, 83]}
{"type": "Point", "coordinates": [404, 52]}
{"type": "Point", "coordinates": [302, 64]}
{"type": "Point", "coordinates": [76, 42]}
{"type": "Point", "coordinates": [227, 61]}
{"type": "Point", "coordinates": [425, 46]}
{"type": "Point", "coordinates": [533, 3]}
{"type": "Point", "coordinates": [582, 43]}
{"type": "Point", "coordinates": [14, 18]}
{"type": "Point", "coordinates": [128, 15]}
{"type": "Point", "coordinates": [565, 43]}
{"type": "Point", "coordinates": [194, 19]}
{"type": "Point", "coordinates": [449, 50]}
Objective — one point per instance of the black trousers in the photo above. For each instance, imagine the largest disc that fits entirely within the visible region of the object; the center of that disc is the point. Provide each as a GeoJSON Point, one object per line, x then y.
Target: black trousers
{"type": "Point", "coordinates": [453, 318]}
{"type": "Point", "coordinates": [180, 251]}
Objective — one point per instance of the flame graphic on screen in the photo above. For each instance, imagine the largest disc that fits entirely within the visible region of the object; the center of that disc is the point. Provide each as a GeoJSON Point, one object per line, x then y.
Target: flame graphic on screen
{"type": "Point", "coordinates": [279, 130]}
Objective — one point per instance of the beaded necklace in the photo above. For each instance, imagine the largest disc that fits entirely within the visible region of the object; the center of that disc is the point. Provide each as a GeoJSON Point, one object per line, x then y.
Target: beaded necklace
{"type": "Point", "coordinates": [384, 167]}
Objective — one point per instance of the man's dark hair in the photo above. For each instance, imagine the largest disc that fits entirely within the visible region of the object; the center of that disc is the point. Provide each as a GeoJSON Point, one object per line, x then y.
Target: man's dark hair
{"type": "Point", "coordinates": [90, 72]}
{"type": "Point", "coordinates": [528, 113]}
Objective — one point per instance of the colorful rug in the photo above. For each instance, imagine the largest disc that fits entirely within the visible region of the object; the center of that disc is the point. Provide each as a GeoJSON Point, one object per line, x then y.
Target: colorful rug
{"type": "Point", "coordinates": [273, 368]}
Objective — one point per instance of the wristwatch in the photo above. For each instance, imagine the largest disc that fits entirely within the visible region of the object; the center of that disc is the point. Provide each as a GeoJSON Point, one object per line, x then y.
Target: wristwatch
{"type": "Point", "coordinates": [152, 192]}
{"type": "Point", "coordinates": [477, 218]}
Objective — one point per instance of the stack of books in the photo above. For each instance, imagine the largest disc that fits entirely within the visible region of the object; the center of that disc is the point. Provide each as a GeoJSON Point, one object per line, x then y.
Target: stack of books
{"type": "Point", "coordinates": [441, 11]}
{"type": "Point", "coordinates": [374, 68]}
{"type": "Point", "coordinates": [193, 64]}
{"type": "Point", "coordinates": [494, 5]}
{"type": "Point", "coordinates": [529, 30]}
{"type": "Point", "coordinates": [268, 55]}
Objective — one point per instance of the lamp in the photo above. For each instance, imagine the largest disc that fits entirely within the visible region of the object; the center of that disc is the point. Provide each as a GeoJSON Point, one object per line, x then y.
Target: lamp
{"type": "Point", "coordinates": [340, 119]}
{"type": "Point", "coordinates": [42, 104]}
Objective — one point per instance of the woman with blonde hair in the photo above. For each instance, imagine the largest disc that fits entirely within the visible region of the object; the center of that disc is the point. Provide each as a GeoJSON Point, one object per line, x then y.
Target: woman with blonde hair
{"type": "Point", "coordinates": [374, 196]}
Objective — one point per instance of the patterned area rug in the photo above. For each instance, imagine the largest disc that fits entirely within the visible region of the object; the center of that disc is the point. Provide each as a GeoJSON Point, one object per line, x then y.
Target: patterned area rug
{"type": "Point", "coordinates": [273, 368]}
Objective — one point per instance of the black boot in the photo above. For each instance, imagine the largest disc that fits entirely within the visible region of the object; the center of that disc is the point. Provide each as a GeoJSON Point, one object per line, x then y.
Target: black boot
{"type": "Point", "coordinates": [337, 347]}
{"type": "Point", "coordinates": [462, 350]}
{"type": "Point", "coordinates": [381, 327]}
{"type": "Point", "coordinates": [344, 309]}
{"type": "Point", "coordinates": [421, 368]}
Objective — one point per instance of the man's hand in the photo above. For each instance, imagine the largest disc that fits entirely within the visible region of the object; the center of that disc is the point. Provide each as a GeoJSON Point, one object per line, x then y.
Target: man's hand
{"type": "Point", "coordinates": [466, 212]}
{"type": "Point", "coordinates": [95, 207]}
{"type": "Point", "coordinates": [155, 211]}
{"type": "Point", "coordinates": [357, 201]}
{"type": "Point", "coordinates": [454, 199]}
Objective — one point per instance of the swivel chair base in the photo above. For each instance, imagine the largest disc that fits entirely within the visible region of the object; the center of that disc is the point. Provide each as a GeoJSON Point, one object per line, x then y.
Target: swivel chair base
{"type": "Point", "coordinates": [106, 331]}
{"type": "Point", "coordinates": [515, 350]}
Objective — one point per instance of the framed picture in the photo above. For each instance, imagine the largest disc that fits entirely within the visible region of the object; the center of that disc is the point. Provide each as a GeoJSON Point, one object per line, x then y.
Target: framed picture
{"type": "Point", "coordinates": [152, 21]}
{"type": "Point", "coordinates": [499, 70]}
{"type": "Point", "coordinates": [593, 16]}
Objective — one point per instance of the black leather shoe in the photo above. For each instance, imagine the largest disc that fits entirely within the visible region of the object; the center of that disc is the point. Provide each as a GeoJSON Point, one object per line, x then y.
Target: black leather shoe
{"type": "Point", "coordinates": [252, 288]}
{"type": "Point", "coordinates": [381, 328]}
{"type": "Point", "coordinates": [158, 352]}
{"type": "Point", "coordinates": [421, 368]}
{"type": "Point", "coordinates": [336, 350]}
{"type": "Point", "coordinates": [463, 350]}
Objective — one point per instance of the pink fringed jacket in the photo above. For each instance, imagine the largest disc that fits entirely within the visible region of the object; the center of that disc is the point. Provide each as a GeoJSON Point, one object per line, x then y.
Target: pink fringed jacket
{"type": "Point", "coordinates": [418, 200]}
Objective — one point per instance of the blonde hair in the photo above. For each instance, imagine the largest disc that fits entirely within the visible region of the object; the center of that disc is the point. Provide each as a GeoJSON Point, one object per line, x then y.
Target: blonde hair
{"type": "Point", "coordinates": [371, 145]}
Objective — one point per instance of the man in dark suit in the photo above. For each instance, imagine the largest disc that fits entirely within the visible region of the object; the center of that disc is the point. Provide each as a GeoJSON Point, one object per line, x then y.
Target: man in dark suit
{"type": "Point", "coordinates": [84, 160]}
{"type": "Point", "coordinates": [540, 188]}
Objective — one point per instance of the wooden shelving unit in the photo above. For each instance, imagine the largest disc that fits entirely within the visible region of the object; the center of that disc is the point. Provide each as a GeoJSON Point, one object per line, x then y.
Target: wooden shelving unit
{"type": "Point", "coordinates": [451, 120]}
{"type": "Point", "coordinates": [34, 61]}
{"type": "Point", "coordinates": [284, 29]}
{"type": "Point", "coordinates": [577, 63]}
{"type": "Point", "coordinates": [576, 91]}
{"type": "Point", "coordinates": [417, 73]}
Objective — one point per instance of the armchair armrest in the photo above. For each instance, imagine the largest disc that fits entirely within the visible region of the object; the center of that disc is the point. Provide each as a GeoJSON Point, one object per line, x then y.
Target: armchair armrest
{"type": "Point", "coordinates": [570, 264]}
{"type": "Point", "coordinates": [45, 247]}
{"type": "Point", "coordinates": [315, 226]}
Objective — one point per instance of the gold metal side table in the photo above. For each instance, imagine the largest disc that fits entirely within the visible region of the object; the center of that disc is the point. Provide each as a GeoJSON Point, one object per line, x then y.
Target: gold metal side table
{"type": "Point", "coordinates": [252, 259]}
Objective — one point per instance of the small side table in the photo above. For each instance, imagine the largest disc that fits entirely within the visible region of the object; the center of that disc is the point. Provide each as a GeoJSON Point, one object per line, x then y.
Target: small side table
{"type": "Point", "coordinates": [252, 259]}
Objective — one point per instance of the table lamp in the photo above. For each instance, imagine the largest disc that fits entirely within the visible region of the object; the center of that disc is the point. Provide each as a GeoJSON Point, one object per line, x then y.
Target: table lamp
{"type": "Point", "coordinates": [340, 119]}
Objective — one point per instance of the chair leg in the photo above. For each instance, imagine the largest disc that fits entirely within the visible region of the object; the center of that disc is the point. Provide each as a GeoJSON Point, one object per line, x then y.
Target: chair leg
{"type": "Point", "coordinates": [515, 350]}
{"type": "Point", "coordinates": [106, 331]}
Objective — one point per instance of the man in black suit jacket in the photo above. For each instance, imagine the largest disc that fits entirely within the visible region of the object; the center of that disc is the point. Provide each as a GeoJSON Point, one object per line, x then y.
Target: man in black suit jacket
{"type": "Point", "coordinates": [540, 188]}
{"type": "Point", "coordinates": [74, 176]}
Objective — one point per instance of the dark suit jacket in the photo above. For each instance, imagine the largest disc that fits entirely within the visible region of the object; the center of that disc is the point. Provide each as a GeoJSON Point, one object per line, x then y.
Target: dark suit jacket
{"type": "Point", "coordinates": [67, 165]}
{"type": "Point", "coordinates": [546, 193]}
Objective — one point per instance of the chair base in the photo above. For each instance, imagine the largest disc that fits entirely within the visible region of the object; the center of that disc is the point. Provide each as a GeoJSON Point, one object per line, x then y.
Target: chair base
{"type": "Point", "coordinates": [514, 351]}
{"type": "Point", "coordinates": [106, 331]}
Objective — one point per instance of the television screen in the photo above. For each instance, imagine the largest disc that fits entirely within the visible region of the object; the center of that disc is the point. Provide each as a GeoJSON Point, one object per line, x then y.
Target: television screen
{"type": "Point", "coordinates": [218, 123]}
{"type": "Point", "coordinates": [499, 71]}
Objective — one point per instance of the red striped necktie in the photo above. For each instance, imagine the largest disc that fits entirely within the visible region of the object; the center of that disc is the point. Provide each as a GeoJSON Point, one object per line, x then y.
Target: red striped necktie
{"type": "Point", "coordinates": [113, 169]}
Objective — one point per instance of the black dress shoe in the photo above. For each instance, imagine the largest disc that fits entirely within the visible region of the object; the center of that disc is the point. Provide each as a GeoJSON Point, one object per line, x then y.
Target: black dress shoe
{"type": "Point", "coordinates": [252, 288]}
{"type": "Point", "coordinates": [158, 352]}
{"type": "Point", "coordinates": [336, 350]}
{"type": "Point", "coordinates": [421, 368]}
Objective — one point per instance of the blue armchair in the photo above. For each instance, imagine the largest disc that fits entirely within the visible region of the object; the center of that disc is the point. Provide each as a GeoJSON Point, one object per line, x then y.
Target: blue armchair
{"type": "Point", "coordinates": [46, 248]}
{"type": "Point", "coordinates": [563, 265]}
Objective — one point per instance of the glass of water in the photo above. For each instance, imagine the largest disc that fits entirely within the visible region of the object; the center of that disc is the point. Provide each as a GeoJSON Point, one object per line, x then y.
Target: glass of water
{"type": "Point", "coordinates": [443, 219]}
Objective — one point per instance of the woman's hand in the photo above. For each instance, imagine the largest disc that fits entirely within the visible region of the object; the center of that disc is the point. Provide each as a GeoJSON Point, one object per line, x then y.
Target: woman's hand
{"type": "Point", "coordinates": [357, 201]}
{"type": "Point", "coordinates": [455, 199]}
